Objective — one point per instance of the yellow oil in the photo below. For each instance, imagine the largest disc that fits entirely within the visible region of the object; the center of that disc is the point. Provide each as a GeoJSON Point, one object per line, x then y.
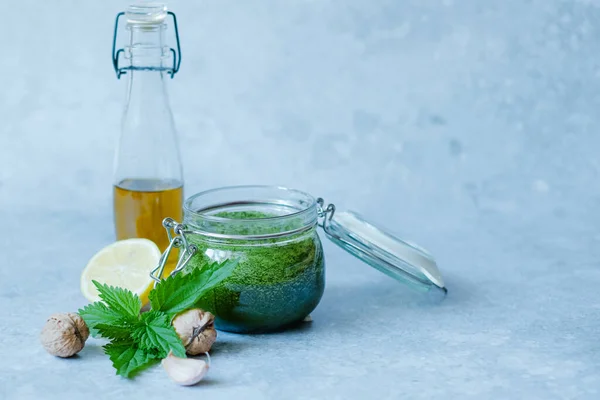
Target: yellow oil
{"type": "Point", "coordinates": [140, 205]}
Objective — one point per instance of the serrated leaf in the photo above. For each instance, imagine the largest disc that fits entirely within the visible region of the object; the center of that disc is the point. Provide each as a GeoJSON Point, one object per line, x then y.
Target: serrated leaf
{"type": "Point", "coordinates": [166, 288]}
{"type": "Point", "coordinates": [127, 358]}
{"type": "Point", "coordinates": [98, 313]}
{"type": "Point", "coordinates": [157, 333]}
{"type": "Point", "coordinates": [119, 330]}
{"type": "Point", "coordinates": [120, 300]}
{"type": "Point", "coordinates": [181, 292]}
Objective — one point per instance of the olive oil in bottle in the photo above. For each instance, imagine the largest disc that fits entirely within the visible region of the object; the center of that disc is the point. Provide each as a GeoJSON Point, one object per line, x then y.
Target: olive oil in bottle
{"type": "Point", "coordinates": [140, 206]}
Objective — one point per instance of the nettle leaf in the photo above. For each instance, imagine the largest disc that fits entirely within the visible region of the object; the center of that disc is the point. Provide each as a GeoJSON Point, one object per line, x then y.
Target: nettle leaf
{"type": "Point", "coordinates": [157, 333]}
{"type": "Point", "coordinates": [127, 358]}
{"type": "Point", "coordinates": [120, 300]}
{"type": "Point", "coordinates": [120, 330]}
{"type": "Point", "coordinates": [181, 292]}
{"type": "Point", "coordinates": [166, 288]}
{"type": "Point", "coordinates": [98, 313]}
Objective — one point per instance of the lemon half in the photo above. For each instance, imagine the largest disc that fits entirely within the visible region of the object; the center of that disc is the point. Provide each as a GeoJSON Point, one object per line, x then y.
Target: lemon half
{"type": "Point", "coordinates": [126, 264]}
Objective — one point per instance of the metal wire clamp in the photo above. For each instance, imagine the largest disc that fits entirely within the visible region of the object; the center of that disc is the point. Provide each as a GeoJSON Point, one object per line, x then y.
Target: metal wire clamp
{"type": "Point", "coordinates": [123, 70]}
{"type": "Point", "coordinates": [177, 239]}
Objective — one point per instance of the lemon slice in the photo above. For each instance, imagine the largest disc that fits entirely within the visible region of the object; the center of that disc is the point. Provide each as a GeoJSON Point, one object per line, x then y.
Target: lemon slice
{"type": "Point", "coordinates": [126, 264]}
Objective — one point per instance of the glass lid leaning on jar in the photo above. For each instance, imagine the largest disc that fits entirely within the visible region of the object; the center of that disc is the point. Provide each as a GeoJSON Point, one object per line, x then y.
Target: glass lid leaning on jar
{"type": "Point", "coordinates": [272, 233]}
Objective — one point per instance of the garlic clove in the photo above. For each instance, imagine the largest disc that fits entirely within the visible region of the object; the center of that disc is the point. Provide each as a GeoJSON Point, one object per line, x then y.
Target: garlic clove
{"type": "Point", "coordinates": [185, 371]}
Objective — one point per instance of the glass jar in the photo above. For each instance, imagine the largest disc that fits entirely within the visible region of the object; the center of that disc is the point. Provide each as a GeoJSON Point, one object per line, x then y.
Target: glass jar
{"type": "Point", "coordinates": [280, 274]}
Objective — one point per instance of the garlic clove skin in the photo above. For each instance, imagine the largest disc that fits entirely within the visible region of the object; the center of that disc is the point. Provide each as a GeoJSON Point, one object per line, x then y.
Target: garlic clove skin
{"type": "Point", "coordinates": [196, 329]}
{"type": "Point", "coordinates": [64, 334]}
{"type": "Point", "coordinates": [184, 371]}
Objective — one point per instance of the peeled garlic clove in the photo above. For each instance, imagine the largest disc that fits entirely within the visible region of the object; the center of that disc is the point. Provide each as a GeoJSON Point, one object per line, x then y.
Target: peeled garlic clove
{"type": "Point", "coordinates": [185, 371]}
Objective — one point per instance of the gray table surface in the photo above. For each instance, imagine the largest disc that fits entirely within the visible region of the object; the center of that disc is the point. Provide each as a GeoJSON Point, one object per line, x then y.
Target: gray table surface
{"type": "Point", "coordinates": [470, 127]}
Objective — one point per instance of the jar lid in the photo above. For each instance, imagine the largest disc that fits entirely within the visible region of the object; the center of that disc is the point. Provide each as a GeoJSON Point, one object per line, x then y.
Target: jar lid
{"type": "Point", "coordinates": [397, 258]}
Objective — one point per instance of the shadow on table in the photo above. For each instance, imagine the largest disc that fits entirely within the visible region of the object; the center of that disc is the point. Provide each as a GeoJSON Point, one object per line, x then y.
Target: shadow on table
{"type": "Point", "coordinates": [227, 346]}
{"type": "Point", "coordinates": [93, 348]}
{"type": "Point", "coordinates": [381, 299]}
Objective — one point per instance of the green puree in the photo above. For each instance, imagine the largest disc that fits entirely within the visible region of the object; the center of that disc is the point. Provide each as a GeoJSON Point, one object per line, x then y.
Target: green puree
{"type": "Point", "coordinates": [277, 282]}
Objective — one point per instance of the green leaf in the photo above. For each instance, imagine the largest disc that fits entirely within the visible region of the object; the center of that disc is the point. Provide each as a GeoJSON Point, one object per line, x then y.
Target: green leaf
{"type": "Point", "coordinates": [157, 333]}
{"type": "Point", "coordinates": [181, 292]}
{"type": "Point", "coordinates": [165, 289]}
{"type": "Point", "coordinates": [120, 300]}
{"type": "Point", "coordinates": [127, 358]}
{"type": "Point", "coordinates": [120, 330]}
{"type": "Point", "coordinates": [98, 313]}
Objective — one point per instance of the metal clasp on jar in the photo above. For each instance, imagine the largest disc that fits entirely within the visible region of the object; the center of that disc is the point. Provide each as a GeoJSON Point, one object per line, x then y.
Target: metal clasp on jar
{"type": "Point", "coordinates": [325, 213]}
{"type": "Point", "coordinates": [177, 239]}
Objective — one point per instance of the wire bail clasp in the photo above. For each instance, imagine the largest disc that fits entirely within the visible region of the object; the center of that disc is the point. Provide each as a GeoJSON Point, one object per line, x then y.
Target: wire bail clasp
{"type": "Point", "coordinates": [325, 213]}
{"type": "Point", "coordinates": [116, 53]}
{"type": "Point", "coordinates": [177, 239]}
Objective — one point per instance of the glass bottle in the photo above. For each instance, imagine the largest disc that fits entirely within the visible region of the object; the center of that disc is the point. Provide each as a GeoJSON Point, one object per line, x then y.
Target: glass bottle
{"type": "Point", "coordinates": [148, 181]}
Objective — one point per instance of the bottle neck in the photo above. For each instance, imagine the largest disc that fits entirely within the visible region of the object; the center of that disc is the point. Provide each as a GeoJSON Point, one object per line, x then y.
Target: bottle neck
{"type": "Point", "coordinates": [146, 49]}
{"type": "Point", "coordinates": [147, 93]}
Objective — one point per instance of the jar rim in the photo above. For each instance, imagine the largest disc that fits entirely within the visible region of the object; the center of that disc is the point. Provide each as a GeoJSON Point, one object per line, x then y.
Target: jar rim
{"type": "Point", "coordinates": [187, 204]}
{"type": "Point", "coordinates": [290, 204]}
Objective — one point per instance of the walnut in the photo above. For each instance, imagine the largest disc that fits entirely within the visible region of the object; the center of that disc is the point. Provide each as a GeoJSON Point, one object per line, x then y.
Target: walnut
{"type": "Point", "coordinates": [196, 329]}
{"type": "Point", "coordinates": [64, 334]}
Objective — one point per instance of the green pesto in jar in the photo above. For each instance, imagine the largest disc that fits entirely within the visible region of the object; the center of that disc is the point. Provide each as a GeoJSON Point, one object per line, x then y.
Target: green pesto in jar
{"type": "Point", "coordinates": [277, 281]}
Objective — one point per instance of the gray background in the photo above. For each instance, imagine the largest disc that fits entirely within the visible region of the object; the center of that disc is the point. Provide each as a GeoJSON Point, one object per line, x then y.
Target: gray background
{"type": "Point", "coordinates": [467, 126]}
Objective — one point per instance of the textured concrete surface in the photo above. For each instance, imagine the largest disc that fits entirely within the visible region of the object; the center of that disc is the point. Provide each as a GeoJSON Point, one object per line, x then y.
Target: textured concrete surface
{"type": "Point", "coordinates": [467, 126]}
